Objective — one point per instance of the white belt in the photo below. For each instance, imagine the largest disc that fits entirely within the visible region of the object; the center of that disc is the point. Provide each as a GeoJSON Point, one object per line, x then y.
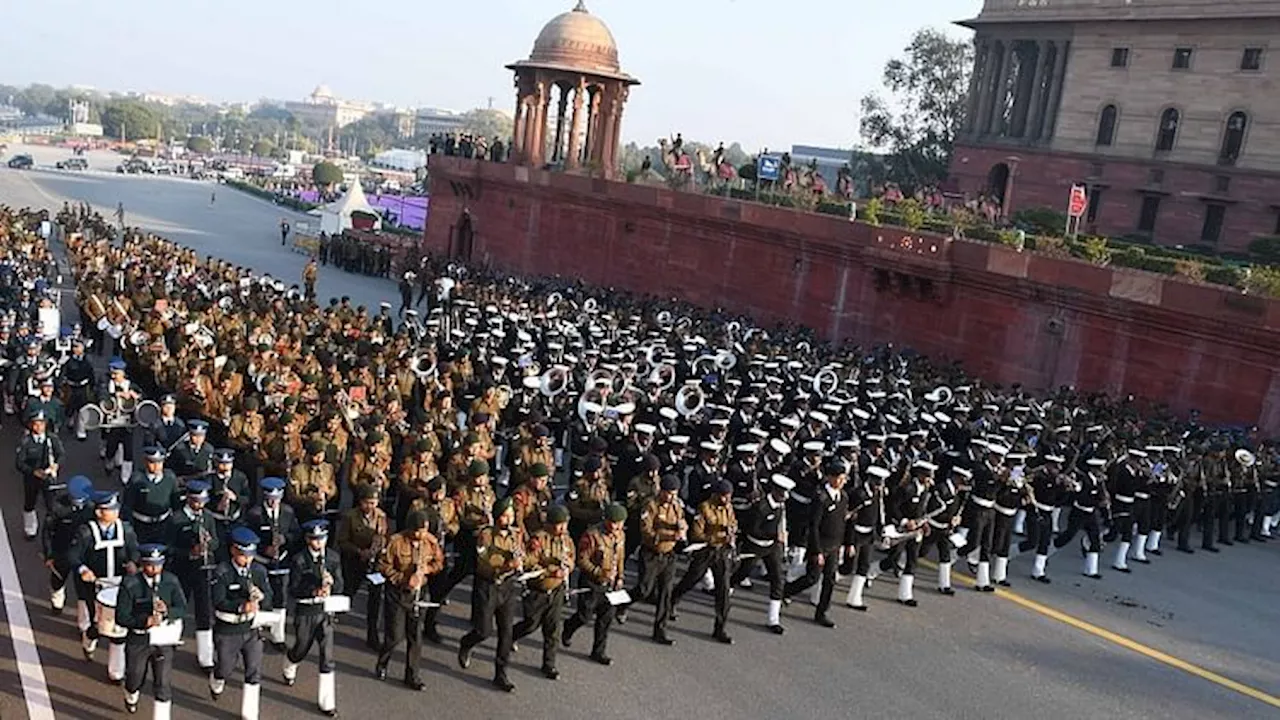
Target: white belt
{"type": "Point", "coordinates": [938, 524]}
{"type": "Point", "coordinates": [800, 498]}
{"type": "Point", "coordinates": [983, 502]}
{"type": "Point", "coordinates": [864, 529]}
{"type": "Point", "coordinates": [1124, 498]}
{"type": "Point", "coordinates": [761, 543]}
{"type": "Point", "coordinates": [1081, 508]}
{"type": "Point", "coordinates": [741, 504]}
{"type": "Point", "coordinates": [224, 518]}
{"type": "Point", "coordinates": [1142, 496]}
{"type": "Point", "coordinates": [1006, 511]}
{"type": "Point", "coordinates": [311, 601]}
{"type": "Point", "coordinates": [233, 618]}
{"type": "Point", "coordinates": [1045, 508]}
{"type": "Point", "coordinates": [152, 519]}
{"type": "Point", "coordinates": [1271, 483]}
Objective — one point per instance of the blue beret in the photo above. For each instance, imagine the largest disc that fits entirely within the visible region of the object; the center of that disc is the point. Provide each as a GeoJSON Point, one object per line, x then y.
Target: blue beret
{"type": "Point", "coordinates": [197, 487]}
{"type": "Point", "coordinates": [151, 553]}
{"type": "Point", "coordinates": [271, 485]}
{"type": "Point", "coordinates": [720, 487]}
{"type": "Point", "coordinates": [316, 528]}
{"type": "Point", "coordinates": [117, 364]}
{"type": "Point", "coordinates": [106, 499]}
{"type": "Point", "coordinates": [80, 487]}
{"type": "Point", "coordinates": [244, 538]}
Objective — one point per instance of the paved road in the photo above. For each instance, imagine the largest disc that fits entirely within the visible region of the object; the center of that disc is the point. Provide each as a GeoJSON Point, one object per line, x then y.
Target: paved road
{"type": "Point", "coordinates": [1010, 655]}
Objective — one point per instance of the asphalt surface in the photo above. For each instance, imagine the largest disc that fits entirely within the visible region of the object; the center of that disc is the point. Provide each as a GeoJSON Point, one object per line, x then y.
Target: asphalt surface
{"type": "Point", "coordinates": [969, 656]}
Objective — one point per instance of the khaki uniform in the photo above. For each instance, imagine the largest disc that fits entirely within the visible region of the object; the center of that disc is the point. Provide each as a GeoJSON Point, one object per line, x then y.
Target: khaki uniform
{"type": "Point", "coordinates": [455, 473]}
{"type": "Point", "coordinates": [499, 549]}
{"type": "Point", "coordinates": [529, 456]}
{"type": "Point", "coordinates": [715, 524]}
{"type": "Point", "coordinates": [587, 500]}
{"type": "Point", "coordinates": [307, 483]}
{"type": "Point", "coordinates": [443, 514]}
{"type": "Point", "coordinates": [550, 553]}
{"type": "Point", "coordinates": [529, 506]}
{"type": "Point", "coordinates": [662, 525]}
{"type": "Point", "coordinates": [601, 556]}
{"type": "Point", "coordinates": [475, 506]}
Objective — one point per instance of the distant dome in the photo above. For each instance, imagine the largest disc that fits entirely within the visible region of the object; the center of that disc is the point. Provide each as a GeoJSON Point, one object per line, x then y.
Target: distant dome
{"type": "Point", "coordinates": [579, 40]}
{"type": "Point", "coordinates": [322, 91]}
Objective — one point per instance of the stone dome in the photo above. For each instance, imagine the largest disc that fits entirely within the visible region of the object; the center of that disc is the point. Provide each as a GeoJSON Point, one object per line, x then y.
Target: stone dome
{"type": "Point", "coordinates": [578, 40]}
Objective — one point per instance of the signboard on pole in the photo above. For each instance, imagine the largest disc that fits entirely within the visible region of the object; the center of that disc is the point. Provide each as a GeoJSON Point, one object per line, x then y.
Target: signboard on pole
{"type": "Point", "coordinates": [769, 167]}
{"type": "Point", "coordinates": [1079, 201]}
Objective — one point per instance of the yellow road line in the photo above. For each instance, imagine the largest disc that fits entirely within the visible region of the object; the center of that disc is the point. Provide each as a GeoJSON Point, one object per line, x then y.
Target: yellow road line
{"type": "Point", "coordinates": [1124, 642]}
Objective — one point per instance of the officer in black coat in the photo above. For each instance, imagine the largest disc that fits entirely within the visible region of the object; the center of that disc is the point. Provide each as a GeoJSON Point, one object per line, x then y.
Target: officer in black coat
{"type": "Point", "coordinates": [826, 534]}
{"type": "Point", "coordinates": [277, 525]}
{"type": "Point", "coordinates": [147, 600]}
{"type": "Point", "coordinates": [192, 457]}
{"type": "Point", "coordinates": [70, 509]}
{"type": "Point", "coordinates": [151, 496]}
{"type": "Point", "coordinates": [315, 574]}
{"type": "Point", "coordinates": [104, 550]}
{"type": "Point", "coordinates": [240, 591]}
{"type": "Point", "coordinates": [228, 491]}
{"type": "Point", "coordinates": [38, 456]}
{"type": "Point", "coordinates": [169, 430]}
{"type": "Point", "coordinates": [191, 534]}
{"type": "Point", "coordinates": [761, 528]}
{"type": "Point", "coordinates": [78, 376]}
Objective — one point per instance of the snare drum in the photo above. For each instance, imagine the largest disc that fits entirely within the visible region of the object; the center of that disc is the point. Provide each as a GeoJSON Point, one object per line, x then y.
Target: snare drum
{"type": "Point", "coordinates": [106, 610]}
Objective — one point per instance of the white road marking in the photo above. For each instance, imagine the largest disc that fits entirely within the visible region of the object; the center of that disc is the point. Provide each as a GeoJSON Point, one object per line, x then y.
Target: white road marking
{"type": "Point", "coordinates": [34, 686]}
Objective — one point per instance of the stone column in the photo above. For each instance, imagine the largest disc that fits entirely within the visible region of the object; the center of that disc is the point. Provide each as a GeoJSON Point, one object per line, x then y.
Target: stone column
{"type": "Point", "coordinates": [544, 105]}
{"type": "Point", "coordinates": [575, 150]}
{"type": "Point", "coordinates": [557, 153]}
{"type": "Point", "coordinates": [995, 63]}
{"type": "Point", "coordinates": [1000, 92]}
{"type": "Point", "coordinates": [615, 131]}
{"type": "Point", "coordinates": [1034, 113]}
{"type": "Point", "coordinates": [981, 68]}
{"type": "Point", "coordinates": [595, 135]}
{"type": "Point", "coordinates": [1056, 81]}
{"type": "Point", "coordinates": [518, 129]}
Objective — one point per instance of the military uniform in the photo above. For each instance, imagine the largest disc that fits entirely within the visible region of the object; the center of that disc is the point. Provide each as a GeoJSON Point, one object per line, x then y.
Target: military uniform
{"type": "Point", "coordinates": [140, 597]}
{"type": "Point", "coordinates": [314, 576]}
{"type": "Point", "coordinates": [495, 592]}
{"type": "Point", "coordinates": [234, 636]}
{"type": "Point", "coordinates": [149, 501]}
{"type": "Point", "coordinates": [35, 455]}
{"type": "Point", "coordinates": [277, 527]}
{"type": "Point", "coordinates": [662, 525]}
{"type": "Point", "coordinates": [586, 502]}
{"type": "Point", "coordinates": [555, 556]}
{"type": "Point", "coordinates": [716, 525]}
{"type": "Point", "coordinates": [407, 565]}
{"type": "Point", "coordinates": [70, 510]}
{"type": "Point", "coordinates": [311, 489]}
{"type": "Point", "coordinates": [361, 540]}
{"type": "Point", "coordinates": [763, 536]}
{"type": "Point", "coordinates": [601, 557]}
{"type": "Point", "coordinates": [108, 552]}
{"type": "Point", "coordinates": [194, 548]}
{"type": "Point", "coordinates": [475, 511]}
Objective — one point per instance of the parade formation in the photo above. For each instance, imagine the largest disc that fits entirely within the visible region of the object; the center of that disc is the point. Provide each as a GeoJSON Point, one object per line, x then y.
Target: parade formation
{"type": "Point", "coordinates": [580, 456]}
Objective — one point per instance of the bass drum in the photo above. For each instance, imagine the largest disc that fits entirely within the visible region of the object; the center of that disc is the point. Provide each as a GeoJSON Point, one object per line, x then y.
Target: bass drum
{"type": "Point", "coordinates": [91, 417]}
{"type": "Point", "coordinates": [147, 414]}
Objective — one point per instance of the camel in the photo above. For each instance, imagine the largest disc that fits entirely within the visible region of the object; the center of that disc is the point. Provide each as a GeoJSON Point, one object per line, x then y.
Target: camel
{"type": "Point", "coordinates": [679, 165]}
{"type": "Point", "coordinates": [720, 175]}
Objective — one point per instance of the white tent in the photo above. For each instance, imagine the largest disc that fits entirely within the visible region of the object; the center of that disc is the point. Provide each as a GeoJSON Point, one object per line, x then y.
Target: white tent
{"type": "Point", "coordinates": [336, 216]}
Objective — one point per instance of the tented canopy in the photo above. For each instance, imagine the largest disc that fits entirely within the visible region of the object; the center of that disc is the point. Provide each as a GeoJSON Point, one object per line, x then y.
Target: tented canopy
{"type": "Point", "coordinates": [336, 216]}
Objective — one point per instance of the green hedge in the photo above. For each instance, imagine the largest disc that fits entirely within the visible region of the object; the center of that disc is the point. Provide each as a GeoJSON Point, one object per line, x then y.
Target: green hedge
{"type": "Point", "coordinates": [288, 201]}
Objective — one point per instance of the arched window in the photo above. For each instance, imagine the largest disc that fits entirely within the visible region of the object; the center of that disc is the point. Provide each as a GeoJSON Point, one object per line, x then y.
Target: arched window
{"type": "Point", "coordinates": [1106, 126]}
{"type": "Point", "coordinates": [1168, 131]}
{"type": "Point", "coordinates": [1233, 138]}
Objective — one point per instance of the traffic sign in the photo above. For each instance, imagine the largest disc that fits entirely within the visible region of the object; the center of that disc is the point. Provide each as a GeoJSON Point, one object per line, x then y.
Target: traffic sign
{"type": "Point", "coordinates": [769, 167]}
{"type": "Point", "coordinates": [1079, 201]}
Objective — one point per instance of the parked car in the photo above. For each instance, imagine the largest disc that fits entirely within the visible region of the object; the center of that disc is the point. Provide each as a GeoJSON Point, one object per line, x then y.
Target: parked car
{"type": "Point", "coordinates": [73, 163]}
{"type": "Point", "coordinates": [21, 162]}
{"type": "Point", "coordinates": [134, 166]}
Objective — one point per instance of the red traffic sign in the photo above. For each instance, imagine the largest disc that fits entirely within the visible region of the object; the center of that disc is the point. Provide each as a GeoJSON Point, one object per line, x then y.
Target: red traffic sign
{"type": "Point", "coordinates": [1078, 202]}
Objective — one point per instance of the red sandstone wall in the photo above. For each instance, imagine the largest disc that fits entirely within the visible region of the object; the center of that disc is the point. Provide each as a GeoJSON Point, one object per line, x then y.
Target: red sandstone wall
{"type": "Point", "coordinates": [1044, 180]}
{"type": "Point", "coordinates": [1011, 317]}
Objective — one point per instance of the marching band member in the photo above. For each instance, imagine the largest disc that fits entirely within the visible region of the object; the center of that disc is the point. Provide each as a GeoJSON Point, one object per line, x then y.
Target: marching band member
{"type": "Point", "coordinates": [315, 575]}
{"type": "Point", "coordinates": [169, 430]}
{"type": "Point", "coordinates": [312, 486]}
{"type": "Point", "coordinates": [1124, 483]}
{"type": "Point", "coordinates": [662, 526]}
{"type": "Point", "coordinates": [362, 536]}
{"type": "Point", "coordinates": [38, 457]}
{"type": "Point", "coordinates": [104, 550]}
{"type": "Point", "coordinates": [1010, 496]}
{"type": "Point", "coordinates": [50, 406]}
{"type": "Point", "coordinates": [867, 518]}
{"type": "Point", "coordinates": [979, 528]}
{"type": "Point", "coordinates": [192, 457]}
{"type": "Point", "coordinates": [191, 534]}
{"type": "Point", "coordinates": [1047, 493]}
{"type": "Point", "coordinates": [147, 600]}
{"type": "Point", "coordinates": [443, 523]}
{"type": "Point", "coordinates": [70, 510]}
{"type": "Point", "coordinates": [908, 515]}
{"type": "Point", "coordinates": [117, 446]}
{"type": "Point", "coordinates": [413, 555]}
{"type": "Point", "coordinates": [826, 535]}
{"type": "Point", "coordinates": [77, 378]}
{"type": "Point", "coordinates": [500, 559]}
{"type": "Point", "coordinates": [228, 490]}
{"type": "Point", "coordinates": [240, 591]}
{"type": "Point", "coordinates": [550, 549]}
{"type": "Point", "coordinates": [532, 498]}
{"type": "Point", "coordinates": [150, 496]}
{"type": "Point", "coordinates": [715, 525]}
{"type": "Point", "coordinates": [475, 511]}
{"type": "Point", "coordinates": [1090, 495]}
{"type": "Point", "coordinates": [942, 513]}
{"type": "Point", "coordinates": [279, 532]}
{"type": "Point", "coordinates": [601, 555]}
{"type": "Point", "coordinates": [765, 537]}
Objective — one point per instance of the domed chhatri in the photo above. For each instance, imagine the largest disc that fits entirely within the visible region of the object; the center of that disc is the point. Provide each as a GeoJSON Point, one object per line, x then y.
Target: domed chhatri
{"type": "Point", "coordinates": [576, 39]}
{"type": "Point", "coordinates": [575, 63]}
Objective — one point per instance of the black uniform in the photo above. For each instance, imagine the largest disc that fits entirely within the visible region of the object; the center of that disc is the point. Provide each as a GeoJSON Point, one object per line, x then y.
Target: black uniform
{"type": "Point", "coordinates": [148, 503]}
{"type": "Point", "coordinates": [825, 536]}
{"type": "Point", "coordinates": [183, 533]}
{"type": "Point", "coordinates": [135, 605]}
{"type": "Point", "coordinates": [867, 517]}
{"type": "Point", "coordinates": [107, 552]}
{"type": "Point", "coordinates": [233, 633]}
{"type": "Point", "coordinates": [37, 453]}
{"type": "Point", "coordinates": [761, 526]}
{"type": "Point", "coordinates": [60, 527]}
{"type": "Point", "coordinates": [311, 624]}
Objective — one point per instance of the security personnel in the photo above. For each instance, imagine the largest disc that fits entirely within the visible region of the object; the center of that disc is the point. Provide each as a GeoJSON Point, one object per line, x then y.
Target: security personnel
{"type": "Point", "coordinates": [228, 490]}
{"type": "Point", "coordinates": [311, 485]}
{"type": "Point", "coordinates": [279, 533]}
{"type": "Point", "coordinates": [715, 525]}
{"type": "Point", "coordinates": [413, 555]}
{"type": "Point", "coordinates": [315, 574]}
{"type": "Point", "coordinates": [147, 600]}
{"type": "Point", "coordinates": [38, 457]}
{"type": "Point", "coordinates": [532, 498]}
{"type": "Point", "coordinates": [104, 551]}
{"type": "Point", "coordinates": [500, 560]}
{"type": "Point", "coordinates": [362, 536]}
{"type": "Point", "coordinates": [150, 496]}
{"type": "Point", "coordinates": [826, 534]}
{"type": "Point", "coordinates": [192, 457]}
{"type": "Point", "coordinates": [763, 536]}
{"type": "Point", "coordinates": [240, 591]}
{"type": "Point", "coordinates": [601, 555]}
{"type": "Point", "coordinates": [662, 526]}
{"type": "Point", "coordinates": [550, 550]}
{"type": "Point", "coordinates": [71, 509]}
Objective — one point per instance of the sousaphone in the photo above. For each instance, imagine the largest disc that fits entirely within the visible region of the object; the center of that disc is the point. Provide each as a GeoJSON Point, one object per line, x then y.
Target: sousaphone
{"type": "Point", "coordinates": [1246, 458]}
{"type": "Point", "coordinates": [689, 400]}
{"type": "Point", "coordinates": [554, 381]}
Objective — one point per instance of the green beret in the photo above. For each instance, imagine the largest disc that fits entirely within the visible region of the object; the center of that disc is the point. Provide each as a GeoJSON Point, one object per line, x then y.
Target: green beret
{"type": "Point", "coordinates": [315, 447]}
{"type": "Point", "coordinates": [416, 520]}
{"type": "Point", "coordinates": [286, 418]}
{"type": "Point", "coordinates": [366, 491]}
{"type": "Point", "coordinates": [478, 468]}
{"type": "Point", "coordinates": [539, 470]}
{"type": "Point", "coordinates": [557, 514]}
{"type": "Point", "coordinates": [617, 512]}
{"type": "Point", "coordinates": [422, 445]}
{"type": "Point", "coordinates": [374, 437]}
{"type": "Point", "coordinates": [471, 439]}
{"type": "Point", "coordinates": [501, 506]}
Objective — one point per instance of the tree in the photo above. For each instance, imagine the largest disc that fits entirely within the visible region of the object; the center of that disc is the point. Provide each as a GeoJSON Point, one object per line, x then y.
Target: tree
{"type": "Point", "coordinates": [917, 127]}
{"type": "Point", "coordinates": [199, 144]}
{"type": "Point", "coordinates": [326, 174]}
{"type": "Point", "coordinates": [488, 123]}
{"type": "Point", "coordinates": [126, 119]}
{"type": "Point", "coordinates": [263, 148]}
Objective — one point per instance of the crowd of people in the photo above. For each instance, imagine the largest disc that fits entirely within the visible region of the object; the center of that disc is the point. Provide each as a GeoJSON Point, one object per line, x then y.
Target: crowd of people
{"type": "Point", "coordinates": [468, 145]}
{"type": "Point", "coordinates": [556, 445]}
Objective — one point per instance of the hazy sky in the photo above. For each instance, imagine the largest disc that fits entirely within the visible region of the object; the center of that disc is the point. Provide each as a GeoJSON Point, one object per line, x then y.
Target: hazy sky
{"type": "Point", "coordinates": [763, 72]}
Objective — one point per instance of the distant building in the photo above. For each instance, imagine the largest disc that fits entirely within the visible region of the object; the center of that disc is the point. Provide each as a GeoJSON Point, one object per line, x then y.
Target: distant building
{"type": "Point", "coordinates": [323, 108]}
{"type": "Point", "coordinates": [431, 121]}
{"type": "Point", "coordinates": [398, 159]}
{"type": "Point", "coordinates": [85, 129]}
